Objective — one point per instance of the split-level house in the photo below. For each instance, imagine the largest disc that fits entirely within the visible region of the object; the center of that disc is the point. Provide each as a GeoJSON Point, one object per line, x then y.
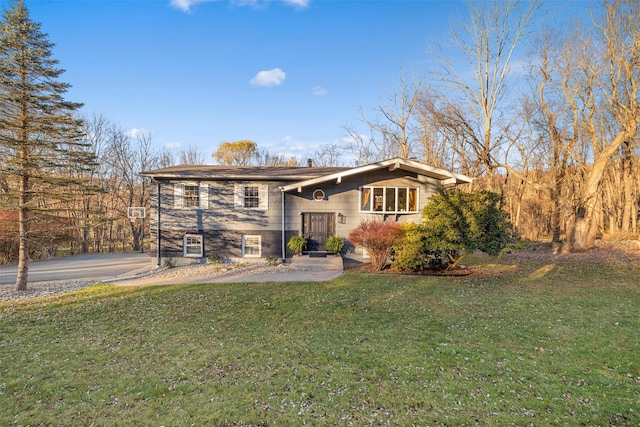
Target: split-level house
{"type": "Point", "coordinates": [250, 212]}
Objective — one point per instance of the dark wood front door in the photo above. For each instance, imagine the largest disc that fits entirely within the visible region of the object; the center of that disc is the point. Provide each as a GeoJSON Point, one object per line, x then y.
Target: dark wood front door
{"type": "Point", "coordinates": [317, 227]}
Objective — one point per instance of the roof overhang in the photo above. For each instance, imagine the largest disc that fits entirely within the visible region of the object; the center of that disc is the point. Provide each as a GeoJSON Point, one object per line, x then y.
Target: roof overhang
{"type": "Point", "coordinates": [446, 177]}
{"type": "Point", "coordinates": [239, 173]}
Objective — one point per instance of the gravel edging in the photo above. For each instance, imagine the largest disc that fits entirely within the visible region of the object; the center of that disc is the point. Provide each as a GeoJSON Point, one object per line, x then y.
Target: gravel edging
{"type": "Point", "coordinates": [42, 289]}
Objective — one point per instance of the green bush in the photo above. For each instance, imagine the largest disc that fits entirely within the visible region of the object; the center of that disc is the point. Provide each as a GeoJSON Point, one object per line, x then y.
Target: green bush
{"type": "Point", "coordinates": [335, 244]}
{"type": "Point", "coordinates": [414, 254]}
{"type": "Point", "coordinates": [169, 262]}
{"type": "Point", "coordinates": [273, 260]}
{"type": "Point", "coordinates": [455, 224]}
{"type": "Point", "coordinates": [214, 259]}
{"type": "Point", "coordinates": [297, 244]}
{"type": "Point", "coordinates": [459, 221]}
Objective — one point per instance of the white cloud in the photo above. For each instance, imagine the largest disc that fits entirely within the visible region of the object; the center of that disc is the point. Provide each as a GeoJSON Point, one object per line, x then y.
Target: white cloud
{"type": "Point", "coordinates": [297, 3]}
{"type": "Point", "coordinates": [319, 91]}
{"type": "Point", "coordinates": [172, 145]}
{"type": "Point", "coordinates": [136, 133]}
{"type": "Point", "coordinates": [287, 139]}
{"type": "Point", "coordinates": [273, 77]}
{"type": "Point", "coordinates": [185, 5]}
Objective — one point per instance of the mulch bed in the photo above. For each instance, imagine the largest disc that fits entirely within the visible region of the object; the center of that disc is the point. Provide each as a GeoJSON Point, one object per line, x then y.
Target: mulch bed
{"type": "Point", "coordinates": [620, 252]}
{"type": "Point", "coordinates": [366, 268]}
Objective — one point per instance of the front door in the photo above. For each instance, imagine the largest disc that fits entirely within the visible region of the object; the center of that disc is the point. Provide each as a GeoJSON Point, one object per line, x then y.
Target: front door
{"type": "Point", "coordinates": [316, 228]}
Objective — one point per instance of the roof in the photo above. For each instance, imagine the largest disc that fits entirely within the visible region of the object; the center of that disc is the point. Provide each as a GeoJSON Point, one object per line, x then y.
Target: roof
{"type": "Point", "coordinates": [302, 176]}
{"type": "Point", "coordinates": [447, 177]}
{"type": "Point", "coordinates": [281, 173]}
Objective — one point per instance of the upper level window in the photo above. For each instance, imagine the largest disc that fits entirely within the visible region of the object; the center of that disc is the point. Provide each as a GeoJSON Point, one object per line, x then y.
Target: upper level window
{"type": "Point", "coordinates": [251, 196]}
{"type": "Point", "coordinates": [389, 199]}
{"type": "Point", "coordinates": [191, 195]}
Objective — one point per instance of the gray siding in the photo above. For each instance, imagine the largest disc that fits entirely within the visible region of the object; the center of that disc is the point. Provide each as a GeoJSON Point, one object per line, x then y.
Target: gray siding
{"type": "Point", "coordinates": [217, 243]}
{"type": "Point", "coordinates": [223, 226]}
{"type": "Point", "coordinates": [344, 198]}
{"type": "Point", "coordinates": [220, 213]}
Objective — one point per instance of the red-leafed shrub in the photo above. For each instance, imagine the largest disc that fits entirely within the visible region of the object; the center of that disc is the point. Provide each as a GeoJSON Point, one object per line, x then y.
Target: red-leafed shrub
{"type": "Point", "coordinates": [378, 238]}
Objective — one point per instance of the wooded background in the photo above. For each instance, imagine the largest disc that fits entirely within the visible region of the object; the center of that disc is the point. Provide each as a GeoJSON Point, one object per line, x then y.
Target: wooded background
{"type": "Point", "coordinates": [544, 115]}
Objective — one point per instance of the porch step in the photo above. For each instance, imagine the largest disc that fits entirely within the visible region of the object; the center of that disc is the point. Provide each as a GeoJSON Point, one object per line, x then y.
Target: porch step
{"type": "Point", "coordinates": [326, 262]}
{"type": "Point", "coordinates": [317, 254]}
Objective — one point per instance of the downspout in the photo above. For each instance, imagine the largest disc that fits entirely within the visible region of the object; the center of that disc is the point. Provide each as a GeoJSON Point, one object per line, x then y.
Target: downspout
{"type": "Point", "coordinates": [284, 254]}
{"type": "Point", "coordinates": [159, 240]}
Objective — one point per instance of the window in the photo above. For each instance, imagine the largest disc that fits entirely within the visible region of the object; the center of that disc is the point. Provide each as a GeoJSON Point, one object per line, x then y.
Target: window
{"type": "Point", "coordinates": [318, 195]}
{"type": "Point", "coordinates": [251, 246]}
{"type": "Point", "coordinates": [389, 199]}
{"type": "Point", "coordinates": [251, 196]}
{"type": "Point", "coordinates": [193, 246]}
{"type": "Point", "coordinates": [191, 195]}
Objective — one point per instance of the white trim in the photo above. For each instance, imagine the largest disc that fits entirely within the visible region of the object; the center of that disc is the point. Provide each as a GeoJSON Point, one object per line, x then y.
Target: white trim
{"type": "Point", "coordinates": [179, 195]}
{"type": "Point", "coordinates": [186, 245]}
{"type": "Point", "coordinates": [184, 195]}
{"type": "Point", "coordinates": [239, 196]}
{"type": "Point", "coordinates": [384, 199]}
{"type": "Point", "coordinates": [391, 164]}
{"type": "Point", "coordinates": [263, 191]}
{"type": "Point", "coordinates": [204, 196]}
{"type": "Point", "coordinates": [244, 245]}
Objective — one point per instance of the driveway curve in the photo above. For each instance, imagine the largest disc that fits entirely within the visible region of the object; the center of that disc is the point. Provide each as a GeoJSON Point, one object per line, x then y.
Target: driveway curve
{"type": "Point", "coordinates": [98, 267]}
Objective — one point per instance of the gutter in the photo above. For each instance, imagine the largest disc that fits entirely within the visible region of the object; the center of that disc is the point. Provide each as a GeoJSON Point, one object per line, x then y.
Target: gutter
{"type": "Point", "coordinates": [158, 237]}
{"type": "Point", "coordinates": [284, 254]}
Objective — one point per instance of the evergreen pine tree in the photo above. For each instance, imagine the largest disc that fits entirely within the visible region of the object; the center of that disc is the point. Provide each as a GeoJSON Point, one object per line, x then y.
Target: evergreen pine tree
{"type": "Point", "coordinates": [40, 139]}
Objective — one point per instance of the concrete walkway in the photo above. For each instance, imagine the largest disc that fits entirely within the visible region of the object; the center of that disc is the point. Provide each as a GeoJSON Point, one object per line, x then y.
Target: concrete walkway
{"type": "Point", "coordinates": [297, 269]}
{"type": "Point", "coordinates": [307, 262]}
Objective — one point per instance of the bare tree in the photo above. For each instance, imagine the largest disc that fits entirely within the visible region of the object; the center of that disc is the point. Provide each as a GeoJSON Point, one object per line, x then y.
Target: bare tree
{"type": "Point", "coordinates": [434, 148]}
{"type": "Point", "coordinates": [391, 134]}
{"type": "Point", "coordinates": [362, 146]}
{"type": "Point", "coordinates": [328, 155]}
{"type": "Point", "coordinates": [131, 156]}
{"type": "Point", "coordinates": [549, 132]}
{"type": "Point", "coordinates": [166, 158]}
{"type": "Point", "coordinates": [475, 111]}
{"type": "Point", "coordinates": [604, 97]}
{"type": "Point", "coordinates": [192, 156]}
{"type": "Point", "coordinates": [264, 158]}
{"type": "Point", "coordinates": [90, 212]}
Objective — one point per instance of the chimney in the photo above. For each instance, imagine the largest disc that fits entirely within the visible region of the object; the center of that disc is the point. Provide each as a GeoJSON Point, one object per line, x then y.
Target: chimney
{"type": "Point", "coordinates": [309, 163]}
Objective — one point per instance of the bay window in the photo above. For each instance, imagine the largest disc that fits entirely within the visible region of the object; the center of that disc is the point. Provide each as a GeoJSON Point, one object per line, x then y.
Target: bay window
{"type": "Point", "coordinates": [389, 199]}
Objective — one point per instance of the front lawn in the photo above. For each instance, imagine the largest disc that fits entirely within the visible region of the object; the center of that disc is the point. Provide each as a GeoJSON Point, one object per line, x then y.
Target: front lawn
{"type": "Point", "coordinates": [526, 343]}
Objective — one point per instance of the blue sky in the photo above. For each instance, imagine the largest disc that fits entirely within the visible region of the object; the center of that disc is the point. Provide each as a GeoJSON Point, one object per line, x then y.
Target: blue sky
{"type": "Point", "coordinates": [288, 75]}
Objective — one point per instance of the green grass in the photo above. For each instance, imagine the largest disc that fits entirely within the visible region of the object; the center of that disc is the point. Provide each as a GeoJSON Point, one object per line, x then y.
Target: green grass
{"type": "Point", "coordinates": [530, 344]}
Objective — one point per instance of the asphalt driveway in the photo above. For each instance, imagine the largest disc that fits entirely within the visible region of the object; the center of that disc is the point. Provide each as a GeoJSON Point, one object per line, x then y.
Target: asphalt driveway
{"type": "Point", "coordinates": [98, 267]}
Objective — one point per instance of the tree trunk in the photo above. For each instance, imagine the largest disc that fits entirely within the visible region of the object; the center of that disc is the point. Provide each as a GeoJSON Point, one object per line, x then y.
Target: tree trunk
{"type": "Point", "coordinates": [556, 225]}
{"type": "Point", "coordinates": [23, 247]}
{"type": "Point", "coordinates": [455, 261]}
{"type": "Point", "coordinates": [627, 177]}
{"type": "Point", "coordinates": [583, 236]}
